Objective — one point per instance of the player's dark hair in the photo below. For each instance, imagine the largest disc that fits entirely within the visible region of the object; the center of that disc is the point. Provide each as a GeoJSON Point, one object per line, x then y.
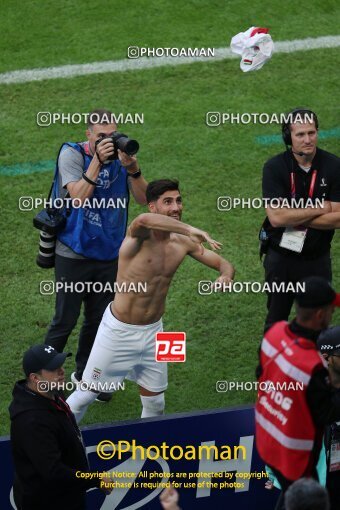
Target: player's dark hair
{"type": "Point", "coordinates": [156, 188]}
{"type": "Point", "coordinates": [99, 116]}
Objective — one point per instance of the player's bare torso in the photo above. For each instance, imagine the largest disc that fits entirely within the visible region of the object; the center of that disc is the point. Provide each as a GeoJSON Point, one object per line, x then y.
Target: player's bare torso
{"type": "Point", "coordinates": [152, 261]}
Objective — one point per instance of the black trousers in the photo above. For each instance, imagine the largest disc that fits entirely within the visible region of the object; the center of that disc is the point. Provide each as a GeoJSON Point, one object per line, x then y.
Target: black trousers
{"type": "Point", "coordinates": [289, 268]}
{"type": "Point", "coordinates": [68, 304]}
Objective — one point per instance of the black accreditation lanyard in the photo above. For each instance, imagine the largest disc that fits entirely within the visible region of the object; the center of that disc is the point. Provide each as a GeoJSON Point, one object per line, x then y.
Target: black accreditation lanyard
{"type": "Point", "coordinates": [61, 405]}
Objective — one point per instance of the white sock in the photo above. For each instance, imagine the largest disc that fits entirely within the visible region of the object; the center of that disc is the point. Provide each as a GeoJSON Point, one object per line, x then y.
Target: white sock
{"type": "Point", "coordinates": [79, 401]}
{"type": "Point", "coordinates": [153, 405]}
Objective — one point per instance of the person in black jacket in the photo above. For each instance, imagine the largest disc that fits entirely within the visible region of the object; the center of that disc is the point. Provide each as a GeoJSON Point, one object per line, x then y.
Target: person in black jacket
{"type": "Point", "coordinates": [301, 189]}
{"type": "Point", "coordinates": [329, 345]}
{"type": "Point", "coordinates": [46, 442]}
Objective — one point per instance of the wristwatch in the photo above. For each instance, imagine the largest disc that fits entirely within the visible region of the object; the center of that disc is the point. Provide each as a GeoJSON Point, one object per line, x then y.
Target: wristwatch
{"type": "Point", "coordinates": [135, 175]}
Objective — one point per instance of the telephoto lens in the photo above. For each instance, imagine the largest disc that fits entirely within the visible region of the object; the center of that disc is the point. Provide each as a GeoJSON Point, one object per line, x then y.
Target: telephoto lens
{"type": "Point", "coordinates": [126, 145]}
{"type": "Point", "coordinates": [46, 255]}
{"type": "Point", "coordinates": [121, 142]}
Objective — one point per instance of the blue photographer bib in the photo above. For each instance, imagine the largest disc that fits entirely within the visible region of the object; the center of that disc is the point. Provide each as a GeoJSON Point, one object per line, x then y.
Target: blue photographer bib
{"type": "Point", "coordinates": [96, 230]}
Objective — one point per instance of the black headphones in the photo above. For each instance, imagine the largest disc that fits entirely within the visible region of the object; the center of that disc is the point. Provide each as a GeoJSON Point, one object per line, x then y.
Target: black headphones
{"type": "Point", "coordinates": [286, 135]}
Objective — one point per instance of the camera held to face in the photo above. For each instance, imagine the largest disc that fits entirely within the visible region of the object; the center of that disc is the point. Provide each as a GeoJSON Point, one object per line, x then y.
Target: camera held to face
{"type": "Point", "coordinates": [121, 142]}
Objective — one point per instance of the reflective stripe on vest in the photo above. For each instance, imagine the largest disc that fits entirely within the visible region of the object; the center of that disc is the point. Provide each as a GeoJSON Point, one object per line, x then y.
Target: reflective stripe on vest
{"type": "Point", "coordinates": [288, 442]}
{"type": "Point", "coordinates": [286, 367]}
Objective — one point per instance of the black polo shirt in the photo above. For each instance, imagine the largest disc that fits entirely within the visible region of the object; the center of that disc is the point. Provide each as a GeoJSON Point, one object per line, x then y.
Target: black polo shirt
{"type": "Point", "coordinates": [276, 183]}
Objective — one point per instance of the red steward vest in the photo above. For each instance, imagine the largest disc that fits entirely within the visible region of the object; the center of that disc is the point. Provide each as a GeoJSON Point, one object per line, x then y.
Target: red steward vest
{"type": "Point", "coordinates": [285, 431]}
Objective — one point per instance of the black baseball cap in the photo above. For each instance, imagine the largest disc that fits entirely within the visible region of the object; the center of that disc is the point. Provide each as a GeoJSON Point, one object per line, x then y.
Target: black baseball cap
{"type": "Point", "coordinates": [329, 341]}
{"type": "Point", "coordinates": [43, 356]}
{"type": "Point", "coordinates": [318, 293]}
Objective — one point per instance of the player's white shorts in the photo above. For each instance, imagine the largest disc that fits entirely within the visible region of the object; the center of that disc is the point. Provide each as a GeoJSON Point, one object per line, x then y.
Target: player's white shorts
{"type": "Point", "coordinates": [122, 351]}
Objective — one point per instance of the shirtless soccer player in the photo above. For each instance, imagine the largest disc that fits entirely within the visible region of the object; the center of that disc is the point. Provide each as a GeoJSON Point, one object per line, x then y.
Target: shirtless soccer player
{"type": "Point", "coordinates": [155, 245]}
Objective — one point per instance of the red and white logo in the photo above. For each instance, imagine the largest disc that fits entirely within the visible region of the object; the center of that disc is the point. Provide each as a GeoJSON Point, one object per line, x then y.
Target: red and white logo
{"type": "Point", "coordinates": [170, 346]}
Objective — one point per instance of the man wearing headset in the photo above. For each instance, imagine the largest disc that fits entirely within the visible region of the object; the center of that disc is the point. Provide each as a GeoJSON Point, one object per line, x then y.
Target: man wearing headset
{"type": "Point", "coordinates": [301, 188]}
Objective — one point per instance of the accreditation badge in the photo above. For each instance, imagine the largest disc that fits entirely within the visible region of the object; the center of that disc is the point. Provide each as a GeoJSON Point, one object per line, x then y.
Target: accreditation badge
{"type": "Point", "coordinates": [293, 238]}
{"type": "Point", "coordinates": [334, 460]}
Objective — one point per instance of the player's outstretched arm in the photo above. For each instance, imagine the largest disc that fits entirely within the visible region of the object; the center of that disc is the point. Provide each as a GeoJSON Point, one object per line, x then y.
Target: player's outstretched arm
{"type": "Point", "coordinates": [145, 222]}
{"type": "Point", "coordinates": [214, 261]}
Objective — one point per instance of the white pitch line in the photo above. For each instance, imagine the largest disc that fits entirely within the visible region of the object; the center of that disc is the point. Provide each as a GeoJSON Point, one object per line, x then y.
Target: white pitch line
{"type": "Point", "coordinates": [115, 66]}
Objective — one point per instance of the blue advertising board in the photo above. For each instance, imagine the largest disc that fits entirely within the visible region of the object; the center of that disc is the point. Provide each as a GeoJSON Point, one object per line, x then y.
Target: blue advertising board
{"type": "Point", "coordinates": [203, 483]}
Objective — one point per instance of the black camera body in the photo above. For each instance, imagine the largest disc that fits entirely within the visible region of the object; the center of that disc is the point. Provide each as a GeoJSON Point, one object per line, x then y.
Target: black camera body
{"type": "Point", "coordinates": [50, 220]}
{"type": "Point", "coordinates": [121, 142]}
